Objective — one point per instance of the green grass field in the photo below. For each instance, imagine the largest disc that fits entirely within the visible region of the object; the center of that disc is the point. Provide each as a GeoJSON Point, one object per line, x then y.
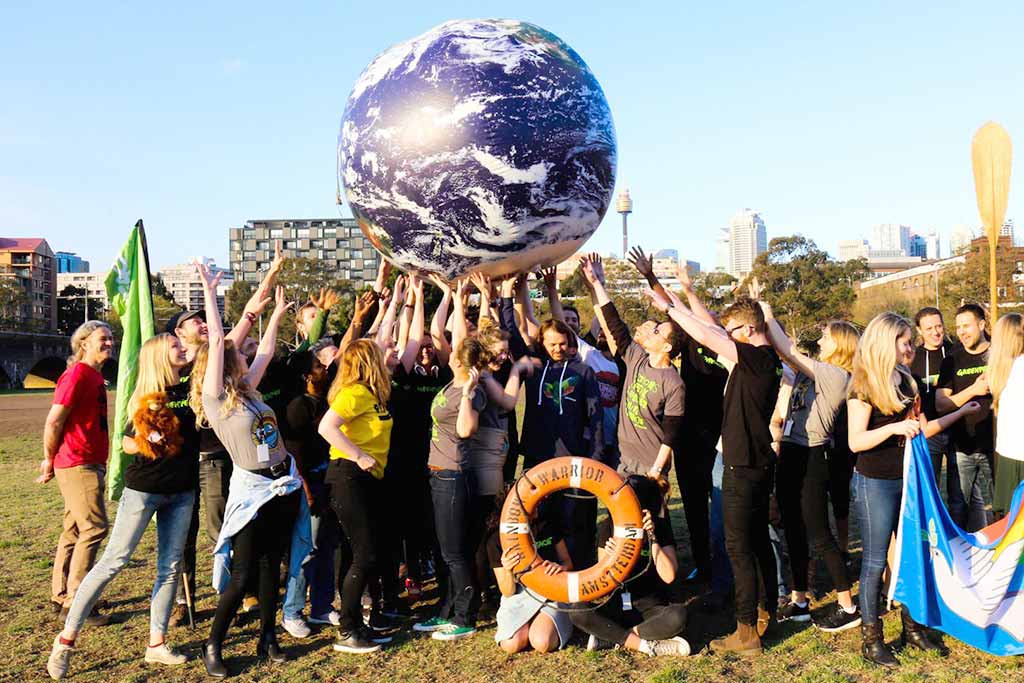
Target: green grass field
{"type": "Point", "coordinates": [30, 523]}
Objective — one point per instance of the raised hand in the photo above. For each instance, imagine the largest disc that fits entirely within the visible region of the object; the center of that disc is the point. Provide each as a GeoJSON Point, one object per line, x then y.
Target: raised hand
{"type": "Point", "coordinates": [683, 275]}
{"type": "Point", "coordinates": [470, 386]}
{"type": "Point", "coordinates": [440, 283]}
{"type": "Point", "coordinates": [209, 281]}
{"type": "Point", "coordinates": [755, 289]}
{"type": "Point", "coordinates": [364, 303]}
{"type": "Point", "coordinates": [281, 303]}
{"type": "Point", "coordinates": [278, 263]}
{"type": "Point", "coordinates": [415, 285]}
{"type": "Point", "coordinates": [399, 291]}
{"type": "Point", "coordinates": [550, 276]}
{"type": "Point", "coordinates": [657, 300]}
{"type": "Point", "coordinates": [329, 300]}
{"type": "Point", "coordinates": [640, 261]}
{"type": "Point", "coordinates": [508, 286]}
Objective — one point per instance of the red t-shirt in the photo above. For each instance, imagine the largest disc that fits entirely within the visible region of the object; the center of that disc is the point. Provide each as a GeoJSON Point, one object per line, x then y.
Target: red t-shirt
{"type": "Point", "coordinates": [85, 440]}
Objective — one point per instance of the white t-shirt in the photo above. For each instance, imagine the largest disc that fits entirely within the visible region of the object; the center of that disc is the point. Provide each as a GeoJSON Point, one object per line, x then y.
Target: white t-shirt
{"type": "Point", "coordinates": [1010, 420]}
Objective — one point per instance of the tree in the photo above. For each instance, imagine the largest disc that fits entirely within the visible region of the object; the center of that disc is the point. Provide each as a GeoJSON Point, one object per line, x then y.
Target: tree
{"type": "Point", "coordinates": [805, 286]}
{"type": "Point", "coordinates": [970, 282]}
{"type": "Point", "coordinates": [715, 290]}
{"type": "Point", "coordinates": [12, 298]}
{"type": "Point", "coordinates": [574, 285]}
{"type": "Point", "coordinates": [71, 313]}
{"type": "Point", "coordinates": [234, 300]}
{"type": "Point", "coordinates": [157, 286]}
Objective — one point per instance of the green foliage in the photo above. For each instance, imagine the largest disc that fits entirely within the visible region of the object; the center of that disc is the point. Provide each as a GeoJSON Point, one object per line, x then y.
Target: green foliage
{"type": "Point", "coordinates": [71, 303]}
{"type": "Point", "coordinates": [574, 285]}
{"type": "Point", "coordinates": [715, 290]}
{"type": "Point", "coordinates": [12, 298]}
{"type": "Point", "coordinates": [805, 286]}
{"type": "Point", "coordinates": [157, 287]}
{"type": "Point", "coordinates": [234, 300]}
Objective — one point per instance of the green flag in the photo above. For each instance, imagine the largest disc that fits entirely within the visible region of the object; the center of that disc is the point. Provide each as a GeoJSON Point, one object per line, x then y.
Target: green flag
{"type": "Point", "coordinates": [130, 297]}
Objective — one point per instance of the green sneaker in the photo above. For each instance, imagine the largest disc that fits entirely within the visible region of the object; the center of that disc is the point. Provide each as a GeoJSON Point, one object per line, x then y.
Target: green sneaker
{"type": "Point", "coordinates": [453, 632]}
{"type": "Point", "coordinates": [430, 625]}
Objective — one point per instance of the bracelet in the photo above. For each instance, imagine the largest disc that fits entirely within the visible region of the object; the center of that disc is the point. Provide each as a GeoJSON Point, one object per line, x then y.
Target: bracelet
{"type": "Point", "coordinates": [250, 316]}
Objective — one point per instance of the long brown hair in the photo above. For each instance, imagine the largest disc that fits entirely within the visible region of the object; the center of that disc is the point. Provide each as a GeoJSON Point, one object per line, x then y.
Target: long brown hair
{"type": "Point", "coordinates": [1007, 345]}
{"type": "Point", "coordinates": [235, 386]}
{"type": "Point", "coordinates": [844, 337]}
{"type": "Point", "coordinates": [362, 362]}
{"type": "Point", "coordinates": [877, 373]}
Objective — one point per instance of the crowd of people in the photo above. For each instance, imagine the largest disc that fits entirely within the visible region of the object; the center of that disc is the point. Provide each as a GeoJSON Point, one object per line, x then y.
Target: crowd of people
{"type": "Point", "coordinates": [358, 466]}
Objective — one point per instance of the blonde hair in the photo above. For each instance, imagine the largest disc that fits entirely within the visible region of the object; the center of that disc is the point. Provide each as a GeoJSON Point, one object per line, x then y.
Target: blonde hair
{"type": "Point", "coordinates": [878, 375]}
{"type": "Point", "coordinates": [156, 373]}
{"type": "Point", "coordinates": [235, 386]}
{"type": "Point", "coordinates": [83, 332]}
{"type": "Point", "coordinates": [362, 362]}
{"type": "Point", "coordinates": [1007, 345]}
{"type": "Point", "coordinates": [844, 337]}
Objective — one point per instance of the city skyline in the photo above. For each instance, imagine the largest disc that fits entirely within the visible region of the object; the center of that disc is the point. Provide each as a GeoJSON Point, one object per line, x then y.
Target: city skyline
{"type": "Point", "coordinates": [183, 117]}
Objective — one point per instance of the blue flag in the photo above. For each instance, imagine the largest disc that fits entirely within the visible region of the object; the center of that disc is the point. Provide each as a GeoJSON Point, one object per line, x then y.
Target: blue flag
{"type": "Point", "coordinates": [970, 586]}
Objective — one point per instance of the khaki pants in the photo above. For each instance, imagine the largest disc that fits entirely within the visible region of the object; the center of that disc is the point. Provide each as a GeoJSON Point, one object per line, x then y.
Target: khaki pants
{"type": "Point", "coordinates": [85, 526]}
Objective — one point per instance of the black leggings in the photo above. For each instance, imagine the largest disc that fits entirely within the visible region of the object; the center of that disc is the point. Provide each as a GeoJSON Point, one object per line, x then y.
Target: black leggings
{"type": "Point", "coordinates": [653, 618]}
{"type": "Point", "coordinates": [354, 497]}
{"type": "Point", "coordinates": [694, 461]}
{"type": "Point", "coordinates": [257, 548]}
{"type": "Point", "coordinates": [802, 485]}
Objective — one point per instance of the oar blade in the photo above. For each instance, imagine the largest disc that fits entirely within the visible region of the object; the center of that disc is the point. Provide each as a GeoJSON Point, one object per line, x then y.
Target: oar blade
{"type": "Point", "coordinates": [991, 155]}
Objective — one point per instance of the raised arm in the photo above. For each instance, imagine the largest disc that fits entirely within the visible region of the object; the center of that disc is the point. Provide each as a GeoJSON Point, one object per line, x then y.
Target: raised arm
{"type": "Point", "coordinates": [385, 336]}
{"type": "Point", "coordinates": [524, 307]}
{"type": "Point", "coordinates": [382, 311]}
{"type": "Point", "coordinates": [697, 306]}
{"type": "Point", "coordinates": [441, 346]}
{"type": "Point", "coordinates": [365, 303]}
{"type": "Point", "coordinates": [507, 396]}
{"type": "Point", "coordinates": [483, 286]}
{"type": "Point", "coordinates": [713, 337]}
{"type": "Point", "coordinates": [405, 315]}
{"type": "Point", "coordinates": [784, 344]}
{"type": "Point", "coordinates": [642, 263]}
{"type": "Point", "coordinates": [550, 276]}
{"type": "Point", "coordinates": [517, 346]}
{"type": "Point", "coordinates": [615, 330]}
{"type": "Point", "coordinates": [268, 345]}
{"type": "Point", "coordinates": [414, 336]}
{"type": "Point", "coordinates": [469, 419]}
{"type": "Point", "coordinates": [213, 380]}
{"type": "Point", "coordinates": [459, 328]}
{"type": "Point", "coordinates": [258, 301]}
{"type": "Point", "coordinates": [327, 300]}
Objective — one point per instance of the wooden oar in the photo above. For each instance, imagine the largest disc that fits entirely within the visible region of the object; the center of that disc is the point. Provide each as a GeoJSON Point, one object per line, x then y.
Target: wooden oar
{"type": "Point", "coordinates": [991, 154]}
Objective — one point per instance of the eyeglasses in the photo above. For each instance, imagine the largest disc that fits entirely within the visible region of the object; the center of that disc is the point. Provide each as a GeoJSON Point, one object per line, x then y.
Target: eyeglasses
{"type": "Point", "coordinates": [730, 330]}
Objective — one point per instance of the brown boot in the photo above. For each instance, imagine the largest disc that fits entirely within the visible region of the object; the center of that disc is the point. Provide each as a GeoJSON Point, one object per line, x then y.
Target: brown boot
{"type": "Point", "coordinates": [744, 641]}
{"type": "Point", "coordinates": [764, 620]}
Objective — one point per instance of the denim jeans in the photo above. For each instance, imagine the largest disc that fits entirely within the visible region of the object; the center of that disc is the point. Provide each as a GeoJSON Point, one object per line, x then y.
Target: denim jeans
{"type": "Point", "coordinates": [459, 527]}
{"type": "Point", "coordinates": [877, 506]}
{"type": "Point", "coordinates": [721, 570]}
{"type": "Point", "coordinates": [939, 449]}
{"type": "Point", "coordinates": [976, 486]}
{"type": "Point", "coordinates": [173, 513]}
{"type": "Point", "coordinates": [317, 572]}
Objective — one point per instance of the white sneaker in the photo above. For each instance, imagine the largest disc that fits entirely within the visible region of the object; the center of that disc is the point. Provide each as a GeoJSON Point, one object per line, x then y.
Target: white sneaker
{"type": "Point", "coordinates": [296, 628]}
{"type": "Point", "coordinates": [594, 644]}
{"type": "Point", "coordinates": [332, 618]}
{"type": "Point", "coordinates": [60, 657]}
{"type": "Point", "coordinates": [161, 654]}
{"type": "Point", "coordinates": [673, 647]}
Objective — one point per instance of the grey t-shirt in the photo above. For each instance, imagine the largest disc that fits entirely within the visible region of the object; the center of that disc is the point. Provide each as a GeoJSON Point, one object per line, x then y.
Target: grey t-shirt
{"type": "Point", "coordinates": [447, 450]}
{"type": "Point", "coordinates": [243, 429]}
{"type": "Point", "coordinates": [649, 396]}
{"type": "Point", "coordinates": [815, 403]}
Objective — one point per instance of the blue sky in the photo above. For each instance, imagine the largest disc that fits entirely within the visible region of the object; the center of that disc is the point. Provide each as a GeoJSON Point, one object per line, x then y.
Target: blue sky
{"type": "Point", "coordinates": [198, 116]}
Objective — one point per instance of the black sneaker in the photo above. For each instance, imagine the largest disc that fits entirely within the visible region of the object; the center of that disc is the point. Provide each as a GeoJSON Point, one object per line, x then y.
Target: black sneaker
{"type": "Point", "coordinates": [379, 622]}
{"type": "Point", "coordinates": [794, 612]}
{"type": "Point", "coordinates": [347, 641]}
{"type": "Point", "coordinates": [396, 610]}
{"type": "Point", "coordinates": [838, 620]}
{"type": "Point", "coordinates": [374, 637]}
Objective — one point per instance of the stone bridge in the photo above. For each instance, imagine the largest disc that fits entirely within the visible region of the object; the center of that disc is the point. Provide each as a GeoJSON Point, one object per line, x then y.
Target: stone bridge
{"type": "Point", "coordinates": [32, 360]}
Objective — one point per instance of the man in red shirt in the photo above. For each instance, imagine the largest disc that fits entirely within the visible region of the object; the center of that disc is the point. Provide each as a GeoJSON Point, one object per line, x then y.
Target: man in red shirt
{"type": "Point", "coordinates": [75, 448]}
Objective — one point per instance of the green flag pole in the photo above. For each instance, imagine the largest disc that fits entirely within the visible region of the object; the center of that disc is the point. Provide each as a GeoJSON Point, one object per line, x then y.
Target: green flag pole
{"type": "Point", "coordinates": [128, 289]}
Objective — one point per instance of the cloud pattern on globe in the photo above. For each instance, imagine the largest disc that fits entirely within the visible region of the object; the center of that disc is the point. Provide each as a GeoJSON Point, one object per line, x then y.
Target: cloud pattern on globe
{"type": "Point", "coordinates": [483, 145]}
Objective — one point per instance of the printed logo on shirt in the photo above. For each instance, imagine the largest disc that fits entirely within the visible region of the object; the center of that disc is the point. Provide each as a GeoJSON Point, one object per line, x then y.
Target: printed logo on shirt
{"type": "Point", "coordinates": [965, 372]}
{"type": "Point", "coordinates": [550, 390]}
{"type": "Point", "coordinates": [264, 430]}
{"type": "Point", "coordinates": [608, 385]}
{"type": "Point", "coordinates": [439, 402]}
{"type": "Point", "coordinates": [708, 360]}
{"type": "Point", "coordinates": [636, 399]}
{"type": "Point", "coordinates": [382, 413]}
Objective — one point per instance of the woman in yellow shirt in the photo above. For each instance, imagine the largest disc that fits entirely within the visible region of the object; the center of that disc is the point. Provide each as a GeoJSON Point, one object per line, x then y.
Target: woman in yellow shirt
{"type": "Point", "coordinates": [358, 428]}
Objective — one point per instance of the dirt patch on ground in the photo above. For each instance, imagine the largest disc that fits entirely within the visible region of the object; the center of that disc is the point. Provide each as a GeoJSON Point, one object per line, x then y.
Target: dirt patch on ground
{"type": "Point", "coordinates": [24, 413]}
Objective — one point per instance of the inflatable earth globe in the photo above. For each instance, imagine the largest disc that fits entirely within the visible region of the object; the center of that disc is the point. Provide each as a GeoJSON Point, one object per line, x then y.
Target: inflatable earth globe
{"type": "Point", "coordinates": [482, 145]}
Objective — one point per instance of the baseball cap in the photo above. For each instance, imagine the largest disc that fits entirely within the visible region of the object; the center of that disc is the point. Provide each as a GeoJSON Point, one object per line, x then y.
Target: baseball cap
{"type": "Point", "coordinates": [178, 318]}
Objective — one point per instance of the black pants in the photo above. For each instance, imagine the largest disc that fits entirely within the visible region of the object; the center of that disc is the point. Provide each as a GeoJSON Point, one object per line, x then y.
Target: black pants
{"type": "Point", "coordinates": [411, 521]}
{"type": "Point", "coordinates": [459, 529]}
{"type": "Point", "coordinates": [257, 549]}
{"type": "Point", "coordinates": [355, 496]}
{"type": "Point", "coordinates": [840, 472]}
{"type": "Point", "coordinates": [803, 484]}
{"type": "Point", "coordinates": [694, 461]}
{"type": "Point", "coordinates": [651, 616]}
{"type": "Point", "coordinates": [745, 495]}
{"type": "Point", "coordinates": [579, 523]}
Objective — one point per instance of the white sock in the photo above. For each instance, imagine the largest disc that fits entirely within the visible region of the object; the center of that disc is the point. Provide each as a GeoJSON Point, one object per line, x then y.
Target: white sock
{"type": "Point", "coordinates": [646, 646]}
{"type": "Point", "coordinates": [800, 604]}
{"type": "Point", "coordinates": [851, 609]}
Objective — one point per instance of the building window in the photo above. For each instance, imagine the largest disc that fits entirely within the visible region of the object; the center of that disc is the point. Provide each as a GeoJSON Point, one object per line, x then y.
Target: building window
{"type": "Point", "coordinates": [276, 233]}
{"type": "Point", "coordinates": [316, 244]}
{"type": "Point", "coordinates": [302, 233]}
{"type": "Point", "coordinates": [289, 244]}
{"type": "Point", "coordinates": [248, 255]}
{"type": "Point", "coordinates": [248, 232]}
{"type": "Point", "coordinates": [330, 232]}
{"type": "Point", "coordinates": [1000, 291]}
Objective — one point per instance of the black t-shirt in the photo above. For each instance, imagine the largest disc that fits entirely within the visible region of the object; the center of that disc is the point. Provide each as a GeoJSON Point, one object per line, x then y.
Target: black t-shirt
{"type": "Point", "coordinates": [176, 473]}
{"type": "Point", "coordinates": [885, 461]}
{"type": "Point", "coordinates": [411, 396]}
{"type": "Point", "coordinates": [546, 535]}
{"type": "Point", "coordinates": [750, 397]}
{"type": "Point", "coordinates": [300, 435]}
{"type": "Point", "coordinates": [705, 379]}
{"type": "Point", "coordinates": [208, 441]}
{"type": "Point", "coordinates": [925, 369]}
{"type": "Point", "coordinates": [280, 384]}
{"type": "Point", "coordinates": [644, 581]}
{"type": "Point", "coordinates": [971, 434]}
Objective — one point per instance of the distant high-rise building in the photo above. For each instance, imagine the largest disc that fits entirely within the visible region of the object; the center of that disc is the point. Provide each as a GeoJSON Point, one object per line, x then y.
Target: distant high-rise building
{"type": "Point", "coordinates": [917, 246]}
{"type": "Point", "coordinates": [1007, 229]}
{"type": "Point", "coordinates": [960, 239]}
{"type": "Point", "coordinates": [933, 250]}
{"type": "Point", "coordinates": [722, 251]}
{"type": "Point", "coordinates": [337, 241]}
{"type": "Point", "coordinates": [94, 284]}
{"type": "Point", "coordinates": [667, 253]}
{"type": "Point", "coordinates": [186, 287]}
{"type": "Point", "coordinates": [890, 237]}
{"type": "Point", "coordinates": [29, 262]}
{"type": "Point", "coordinates": [748, 238]}
{"type": "Point", "coordinates": [852, 249]}
{"type": "Point", "coordinates": [70, 262]}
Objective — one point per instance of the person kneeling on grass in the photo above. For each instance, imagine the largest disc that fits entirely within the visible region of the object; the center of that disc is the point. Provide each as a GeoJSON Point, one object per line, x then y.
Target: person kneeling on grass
{"type": "Point", "coordinates": [644, 615]}
{"type": "Point", "coordinates": [525, 620]}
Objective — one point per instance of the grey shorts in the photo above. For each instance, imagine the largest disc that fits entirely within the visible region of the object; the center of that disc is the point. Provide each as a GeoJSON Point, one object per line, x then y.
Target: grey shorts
{"type": "Point", "coordinates": [518, 610]}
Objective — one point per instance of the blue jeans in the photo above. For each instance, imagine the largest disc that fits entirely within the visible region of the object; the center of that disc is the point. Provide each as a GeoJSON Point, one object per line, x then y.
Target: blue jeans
{"type": "Point", "coordinates": [976, 486]}
{"type": "Point", "coordinates": [877, 506]}
{"type": "Point", "coordinates": [173, 516]}
{"type": "Point", "coordinates": [939, 448]}
{"type": "Point", "coordinates": [317, 571]}
{"type": "Point", "coordinates": [459, 528]}
{"type": "Point", "coordinates": [721, 570]}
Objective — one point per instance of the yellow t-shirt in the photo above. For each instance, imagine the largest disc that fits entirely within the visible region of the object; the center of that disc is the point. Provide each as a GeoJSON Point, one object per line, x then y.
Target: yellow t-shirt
{"type": "Point", "coordinates": [366, 423]}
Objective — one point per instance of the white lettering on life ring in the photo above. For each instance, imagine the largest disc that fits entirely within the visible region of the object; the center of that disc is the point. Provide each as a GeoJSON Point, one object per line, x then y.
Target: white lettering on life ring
{"type": "Point", "coordinates": [514, 528]}
{"type": "Point", "coordinates": [634, 532]}
{"type": "Point", "coordinates": [573, 586]}
{"type": "Point", "coordinates": [575, 473]}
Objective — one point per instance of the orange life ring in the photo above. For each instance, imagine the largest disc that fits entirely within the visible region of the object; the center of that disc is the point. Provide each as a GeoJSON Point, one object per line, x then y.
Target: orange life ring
{"type": "Point", "coordinates": [557, 474]}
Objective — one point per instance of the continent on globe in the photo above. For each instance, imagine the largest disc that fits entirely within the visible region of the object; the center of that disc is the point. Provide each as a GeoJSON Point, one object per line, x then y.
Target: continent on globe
{"type": "Point", "coordinates": [481, 145]}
